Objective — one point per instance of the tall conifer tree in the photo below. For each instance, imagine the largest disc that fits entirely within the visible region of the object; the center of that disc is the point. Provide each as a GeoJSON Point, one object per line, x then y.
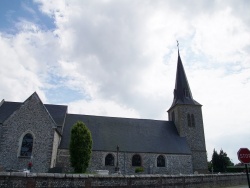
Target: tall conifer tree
{"type": "Point", "coordinates": [80, 147]}
{"type": "Point", "coordinates": [220, 161]}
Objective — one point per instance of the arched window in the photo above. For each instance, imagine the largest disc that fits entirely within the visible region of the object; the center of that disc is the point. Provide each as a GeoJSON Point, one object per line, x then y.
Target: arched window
{"type": "Point", "coordinates": [193, 120]}
{"type": "Point", "coordinates": [26, 147]}
{"type": "Point", "coordinates": [189, 120]}
{"type": "Point", "coordinates": [136, 160]}
{"type": "Point", "coordinates": [160, 161]}
{"type": "Point", "coordinates": [173, 116]}
{"type": "Point", "coordinates": [109, 160]}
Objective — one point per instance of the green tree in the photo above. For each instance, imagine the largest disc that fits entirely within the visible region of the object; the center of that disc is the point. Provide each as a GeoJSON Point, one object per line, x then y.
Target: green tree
{"type": "Point", "coordinates": [210, 165]}
{"type": "Point", "coordinates": [80, 147]}
{"type": "Point", "coordinates": [220, 161]}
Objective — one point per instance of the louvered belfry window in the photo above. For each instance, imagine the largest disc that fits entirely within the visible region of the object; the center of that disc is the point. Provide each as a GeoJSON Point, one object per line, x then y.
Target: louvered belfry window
{"type": "Point", "coordinates": [191, 120]}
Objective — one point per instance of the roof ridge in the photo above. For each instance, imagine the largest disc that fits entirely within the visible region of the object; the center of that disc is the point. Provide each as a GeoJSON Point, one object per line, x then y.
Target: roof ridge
{"type": "Point", "coordinates": [56, 105]}
{"type": "Point", "coordinates": [2, 102]}
{"type": "Point", "coordinates": [116, 117]}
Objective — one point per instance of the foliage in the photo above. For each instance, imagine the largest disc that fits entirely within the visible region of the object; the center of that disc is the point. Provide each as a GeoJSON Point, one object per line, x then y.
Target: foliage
{"type": "Point", "coordinates": [209, 165]}
{"type": "Point", "coordinates": [236, 169]}
{"type": "Point", "coordinates": [80, 147]}
{"type": "Point", "coordinates": [220, 161]}
{"type": "Point", "coordinates": [139, 169]}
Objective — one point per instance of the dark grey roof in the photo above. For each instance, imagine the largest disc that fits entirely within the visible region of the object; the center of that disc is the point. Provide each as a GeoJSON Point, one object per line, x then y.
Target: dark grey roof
{"type": "Point", "coordinates": [7, 108]}
{"type": "Point", "coordinates": [57, 112]}
{"type": "Point", "coordinates": [182, 91]}
{"type": "Point", "coordinates": [132, 135]}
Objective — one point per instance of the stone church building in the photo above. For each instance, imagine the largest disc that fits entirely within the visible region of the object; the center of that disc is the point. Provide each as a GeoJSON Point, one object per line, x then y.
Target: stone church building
{"type": "Point", "coordinates": [31, 131]}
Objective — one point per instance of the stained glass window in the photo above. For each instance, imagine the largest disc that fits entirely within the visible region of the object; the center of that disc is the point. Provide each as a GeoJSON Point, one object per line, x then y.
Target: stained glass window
{"type": "Point", "coordinates": [26, 147]}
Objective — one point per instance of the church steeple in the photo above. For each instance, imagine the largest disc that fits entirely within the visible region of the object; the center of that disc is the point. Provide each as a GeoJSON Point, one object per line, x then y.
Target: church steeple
{"type": "Point", "coordinates": [186, 115]}
{"type": "Point", "coordinates": [182, 91]}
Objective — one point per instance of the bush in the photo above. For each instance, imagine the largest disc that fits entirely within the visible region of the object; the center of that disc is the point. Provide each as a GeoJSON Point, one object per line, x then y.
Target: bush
{"type": "Point", "coordinates": [80, 147]}
{"type": "Point", "coordinates": [236, 169]}
{"type": "Point", "coordinates": [139, 169]}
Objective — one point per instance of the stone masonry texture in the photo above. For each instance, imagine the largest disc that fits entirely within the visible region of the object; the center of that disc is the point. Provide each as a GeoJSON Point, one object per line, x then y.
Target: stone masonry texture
{"type": "Point", "coordinates": [194, 135]}
{"type": "Point", "coordinates": [44, 180]}
{"type": "Point", "coordinates": [31, 118]}
{"type": "Point", "coordinates": [175, 164]}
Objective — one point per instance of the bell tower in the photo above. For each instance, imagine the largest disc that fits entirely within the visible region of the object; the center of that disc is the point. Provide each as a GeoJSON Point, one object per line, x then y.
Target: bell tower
{"type": "Point", "coordinates": [186, 113]}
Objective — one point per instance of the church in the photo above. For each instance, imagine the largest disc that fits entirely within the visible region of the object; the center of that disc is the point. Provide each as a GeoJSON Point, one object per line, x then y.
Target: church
{"type": "Point", "coordinates": [38, 133]}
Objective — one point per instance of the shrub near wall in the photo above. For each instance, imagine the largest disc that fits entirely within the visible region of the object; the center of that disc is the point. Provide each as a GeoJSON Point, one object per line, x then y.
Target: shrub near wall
{"type": "Point", "coordinates": [236, 169]}
{"type": "Point", "coordinates": [139, 169]}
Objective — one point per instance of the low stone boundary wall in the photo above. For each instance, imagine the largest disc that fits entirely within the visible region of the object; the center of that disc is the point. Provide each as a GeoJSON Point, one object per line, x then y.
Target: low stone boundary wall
{"type": "Point", "coordinates": [42, 180]}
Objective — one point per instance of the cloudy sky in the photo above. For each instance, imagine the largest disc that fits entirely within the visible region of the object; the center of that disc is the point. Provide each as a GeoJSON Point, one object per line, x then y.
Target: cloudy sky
{"type": "Point", "coordinates": [119, 57]}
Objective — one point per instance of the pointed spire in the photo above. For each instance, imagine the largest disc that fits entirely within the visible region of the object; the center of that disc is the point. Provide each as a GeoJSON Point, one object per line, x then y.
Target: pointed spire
{"type": "Point", "coordinates": [182, 91]}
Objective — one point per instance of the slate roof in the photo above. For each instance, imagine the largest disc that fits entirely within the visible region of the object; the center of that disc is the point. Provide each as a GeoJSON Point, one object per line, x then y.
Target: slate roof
{"type": "Point", "coordinates": [132, 135]}
{"type": "Point", "coordinates": [182, 91]}
{"type": "Point", "coordinates": [57, 112]}
{"type": "Point", "coordinates": [7, 108]}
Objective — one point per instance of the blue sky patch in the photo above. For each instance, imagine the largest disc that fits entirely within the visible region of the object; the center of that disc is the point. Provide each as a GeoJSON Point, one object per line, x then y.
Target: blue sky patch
{"type": "Point", "coordinates": [12, 12]}
{"type": "Point", "coordinates": [62, 95]}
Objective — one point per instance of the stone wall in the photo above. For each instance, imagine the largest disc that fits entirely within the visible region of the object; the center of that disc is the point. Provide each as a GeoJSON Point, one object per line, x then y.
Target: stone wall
{"type": "Point", "coordinates": [33, 118]}
{"type": "Point", "coordinates": [44, 180]}
{"type": "Point", "coordinates": [175, 164]}
{"type": "Point", "coordinates": [56, 142]}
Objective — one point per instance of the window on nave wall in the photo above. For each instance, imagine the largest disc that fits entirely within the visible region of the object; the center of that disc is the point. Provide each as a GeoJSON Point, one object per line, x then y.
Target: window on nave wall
{"type": "Point", "coordinates": [160, 161]}
{"type": "Point", "coordinates": [136, 160]}
{"type": "Point", "coordinates": [109, 160]}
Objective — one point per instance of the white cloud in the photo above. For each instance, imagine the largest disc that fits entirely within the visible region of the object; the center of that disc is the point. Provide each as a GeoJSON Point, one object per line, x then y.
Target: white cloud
{"type": "Point", "coordinates": [221, 36]}
{"type": "Point", "coordinates": [102, 108]}
{"type": "Point", "coordinates": [225, 113]}
{"type": "Point", "coordinates": [17, 82]}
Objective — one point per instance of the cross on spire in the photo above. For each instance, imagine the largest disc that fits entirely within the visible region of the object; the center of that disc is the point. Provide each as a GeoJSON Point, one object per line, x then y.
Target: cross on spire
{"type": "Point", "coordinates": [177, 46]}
